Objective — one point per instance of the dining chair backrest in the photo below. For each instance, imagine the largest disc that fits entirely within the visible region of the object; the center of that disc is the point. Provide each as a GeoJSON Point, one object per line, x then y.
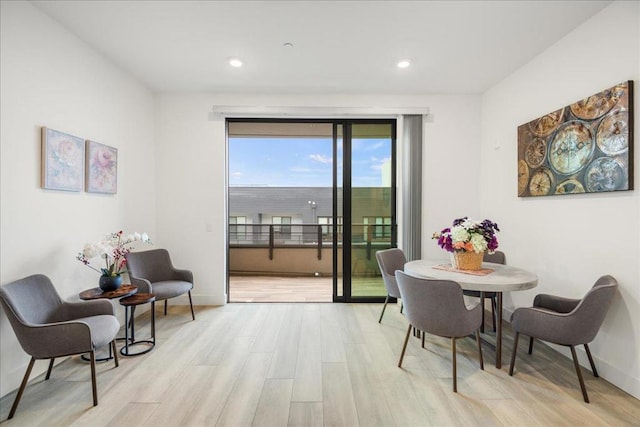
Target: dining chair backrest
{"type": "Point", "coordinates": [390, 261]}
{"type": "Point", "coordinates": [497, 257]}
{"type": "Point", "coordinates": [591, 311]}
{"type": "Point", "coordinates": [436, 306]}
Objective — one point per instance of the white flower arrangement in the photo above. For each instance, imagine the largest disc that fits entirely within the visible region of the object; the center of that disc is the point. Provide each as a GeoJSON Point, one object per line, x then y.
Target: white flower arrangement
{"type": "Point", "coordinates": [113, 250]}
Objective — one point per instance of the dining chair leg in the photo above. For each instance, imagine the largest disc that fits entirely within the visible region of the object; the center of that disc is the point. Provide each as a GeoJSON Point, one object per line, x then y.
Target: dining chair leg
{"type": "Point", "coordinates": [482, 311]}
{"type": "Point", "coordinates": [25, 380]}
{"type": "Point", "coordinates": [453, 362]}
{"type": "Point", "coordinates": [493, 313]}
{"type": "Point", "coordinates": [530, 345]}
{"type": "Point", "coordinates": [479, 349]}
{"type": "Point", "coordinates": [579, 372]}
{"type": "Point", "coordinates": [50, 368]}
{"type": "Point", "coordinates": [401, 307]}
{"type": "Point", "coordinates": [423, 334]}
{"type": "Point", "coordinates": [404, 347]}
{"type": "Point", "coordinates": [94, 386]}
{"type": "Point", "coordinates": [593, 365]}
{"type": "Point", "coordinates": [115, 353]}
{"type": "Point", "coordinates": [165, 307]}
{"type": "Point", "coordinates": [193, 316]}
{"type": "Point", "coordinates": [513, 353]}
{"type": "Point", "coordinates": [384, 307]}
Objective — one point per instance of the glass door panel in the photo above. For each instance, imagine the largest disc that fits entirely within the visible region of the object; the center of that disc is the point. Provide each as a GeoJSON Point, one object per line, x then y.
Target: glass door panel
{"type": "Point", "coordinates": [372, 197]}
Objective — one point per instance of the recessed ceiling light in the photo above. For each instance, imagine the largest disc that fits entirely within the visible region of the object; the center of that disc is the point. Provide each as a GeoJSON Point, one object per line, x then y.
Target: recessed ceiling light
{"type": "Point", "coordinates": [235, 62]}
{"type": "Point", "coordinates": [405, 63]}
{"type": "Point", "coordinates": [287, 44]}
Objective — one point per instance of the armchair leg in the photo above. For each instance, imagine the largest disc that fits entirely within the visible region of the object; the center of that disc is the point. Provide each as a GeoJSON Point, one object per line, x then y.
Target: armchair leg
{"type": "Point", "coordinates": [579, 372]}
{"type": "Point", "coordinates": [404, 347]}
{"type": "Point", "coordinates": [115, 353]}
{"type": "Point", "coordinates": [94, 387]}
{"type": "Point", "coordinates": [513, 353]}
{"type": "Point", "coordinates": [193, 316]}
{"type": "Point", "coordinates": [21, 389]}
{"type": "Point", "coordinates": [165, 307]}
{"type": "Point", "coordinates": [401, 307]}
{"type": "Point", "coordinates": [479, 349]}
{"type": "Point", "coordinates": [423, 334]}
{"type": "Point", "coordinates": [593, 365]}
{"type": "Point", "coordinates": [384, 307]}
{"type": "Point", "coordinates": [50, 368]}
{"type": "Point", "coordinates": [530, 345]}
{"type": "Point", "coordinates": [453, 362]}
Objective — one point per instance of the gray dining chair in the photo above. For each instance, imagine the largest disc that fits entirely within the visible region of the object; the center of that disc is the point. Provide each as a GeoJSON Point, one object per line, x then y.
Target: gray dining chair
{"type": "Point", "coordinates": [48, 327]}
{"type": "Point", "coordinates": [153, 273]}
{"type": "Point", "coordinates": [565, 321]}
{"type": "Point", "coordinates": [389, 261]}
{"type": "Point", "coordinates": [497, 257]}
{"type": "Point", "coordinates": [437, 307]}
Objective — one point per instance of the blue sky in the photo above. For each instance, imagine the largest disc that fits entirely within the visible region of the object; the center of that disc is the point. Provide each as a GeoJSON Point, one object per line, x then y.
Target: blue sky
{"type": "Point", "coordinates": [302, 162]}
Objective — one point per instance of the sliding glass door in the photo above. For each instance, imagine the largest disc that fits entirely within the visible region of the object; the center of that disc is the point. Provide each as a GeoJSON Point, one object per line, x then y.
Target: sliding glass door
{"type": "Point", "coordinates": [313, 200]}
{"type": "Point", "coordinates": [367, 159]}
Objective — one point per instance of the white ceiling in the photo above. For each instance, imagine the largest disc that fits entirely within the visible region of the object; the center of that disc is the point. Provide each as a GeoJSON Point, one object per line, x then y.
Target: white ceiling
{"type": "Point", "coordinates": [339, 46]}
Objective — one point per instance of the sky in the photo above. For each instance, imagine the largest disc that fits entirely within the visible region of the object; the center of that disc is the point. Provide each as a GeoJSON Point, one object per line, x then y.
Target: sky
{"type": "Point", "coordinates": [302, 162]}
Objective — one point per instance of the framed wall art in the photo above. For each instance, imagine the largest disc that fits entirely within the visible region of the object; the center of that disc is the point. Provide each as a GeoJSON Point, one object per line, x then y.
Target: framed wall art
{"type": "Point", "coordinates": [102, 168]}
{"type": "Point", "coordinates": [585, 147]}
{"type": "Point", "coordinates": [62, 161]}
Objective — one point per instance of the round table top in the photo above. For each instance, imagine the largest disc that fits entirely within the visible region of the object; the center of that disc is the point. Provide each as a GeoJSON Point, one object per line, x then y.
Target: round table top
{"type": "Point", "coordinates": [97, 293]}
{"type": "Point", "coordinates": [503, 278]}
{"type": "Point", "coordinates": [138, 298]}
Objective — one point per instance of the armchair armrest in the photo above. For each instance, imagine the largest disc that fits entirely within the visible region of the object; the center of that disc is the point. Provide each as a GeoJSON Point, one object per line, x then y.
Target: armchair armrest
{"type": "Point", "coordinates": [558, 328]}
{"type": "Point", "coordinates": [555, 303]}
{"type": "Point", "coordinates": [144, 286]}
{"type": "Point", "coordinates": [75, 310]}
{"type": "Point", "coordinates": [184, 275]}
{"type": "Point", "coordinates": [56, 339]}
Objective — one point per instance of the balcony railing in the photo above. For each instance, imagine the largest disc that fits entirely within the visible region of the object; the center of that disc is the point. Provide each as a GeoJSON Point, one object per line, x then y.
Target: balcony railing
{"type": "Point", "coordinates": [275, 236]}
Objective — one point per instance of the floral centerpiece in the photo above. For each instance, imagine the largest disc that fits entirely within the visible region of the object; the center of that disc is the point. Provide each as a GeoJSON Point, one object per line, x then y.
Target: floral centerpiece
{"type": "Point", "coordinates": [466, 237]}
{"type": "Point", "coordinates": [112, 250]}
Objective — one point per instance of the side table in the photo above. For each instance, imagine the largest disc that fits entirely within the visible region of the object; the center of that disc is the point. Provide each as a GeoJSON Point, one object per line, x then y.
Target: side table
{"type": "Point", "coordinates": [97, 293]}
{"type": "Point", "coordinates": [133, 301]}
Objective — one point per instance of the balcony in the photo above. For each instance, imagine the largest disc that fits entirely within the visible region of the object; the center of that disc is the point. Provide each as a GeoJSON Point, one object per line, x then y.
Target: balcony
{"type": "Point", "coordinates": [272, 262]}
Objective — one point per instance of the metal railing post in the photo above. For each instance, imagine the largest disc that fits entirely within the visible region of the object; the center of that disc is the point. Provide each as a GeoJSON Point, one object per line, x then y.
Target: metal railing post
{"type": "Point", "coordinates": [319, 242]}
{"type": "Point", "coordinates": [271, 242]}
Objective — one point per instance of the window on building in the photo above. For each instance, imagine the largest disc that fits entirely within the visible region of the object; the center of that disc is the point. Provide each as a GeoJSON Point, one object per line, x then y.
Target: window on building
{"type": "Point", "coordinates": [380, 227]}
{"type": "Point", "coordinates": [282, 226]}
{"type": "Point", "coordinates": [237, 228]}
{"type": "Point", "coordinates": [326, 222]}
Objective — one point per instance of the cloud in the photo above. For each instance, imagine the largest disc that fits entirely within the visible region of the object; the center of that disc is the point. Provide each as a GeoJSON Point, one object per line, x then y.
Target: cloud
{"type": "Point", "coordinates": [236, 174]}
{"type": "Point", "coordinates": [376, 164]}
{"type": "Point", "coordinates": [300, 170]}
{"type": "Point", "coordinates": [321, 158]}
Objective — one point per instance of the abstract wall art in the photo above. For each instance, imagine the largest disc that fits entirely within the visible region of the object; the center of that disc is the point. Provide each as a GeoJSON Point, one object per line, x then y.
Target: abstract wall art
{"type": "Point", "coordinates": [62, 161]}
{"type": "Point", "coordinates": [585, 147]}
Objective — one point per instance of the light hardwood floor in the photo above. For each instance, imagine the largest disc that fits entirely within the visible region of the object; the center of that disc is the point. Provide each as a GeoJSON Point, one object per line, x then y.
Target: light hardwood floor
{"type": "Point", "coordinates": [314, 365]}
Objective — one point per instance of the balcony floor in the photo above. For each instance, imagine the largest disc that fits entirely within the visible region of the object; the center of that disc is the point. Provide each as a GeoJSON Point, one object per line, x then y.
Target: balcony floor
{"type": "Point", "coordinates": [296, 289]}
{"type": "Point", "coordinates": [280, 289]}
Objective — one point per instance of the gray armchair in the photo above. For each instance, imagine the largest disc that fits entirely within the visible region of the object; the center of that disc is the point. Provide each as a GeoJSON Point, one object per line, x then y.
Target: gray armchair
{"type": "Point", "coordinates": [497, 258]}
{"type": "Point", "coordinates": [153, 272]}
{"type": "Point", "coordinates": [48, 327]}
{"type": "Point", "coordinates": [565, 321]}
{"type": "Point", "coordinates": [390, 260]}
{"type": "Point", "coordinates": [437, 307]}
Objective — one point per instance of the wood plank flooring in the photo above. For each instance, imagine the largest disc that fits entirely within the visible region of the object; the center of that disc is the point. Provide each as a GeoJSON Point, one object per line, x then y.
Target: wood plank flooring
{"type": "Point", "coordinates": [314, 365]}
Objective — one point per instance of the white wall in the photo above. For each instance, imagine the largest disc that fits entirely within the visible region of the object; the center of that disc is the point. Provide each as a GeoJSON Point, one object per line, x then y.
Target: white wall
{"type": "Point", "coordinates": [50, 78]}
{"type": "Point", "coordinates": [570, 241]}
{"type": "Point", "coordinates": [192, 171]}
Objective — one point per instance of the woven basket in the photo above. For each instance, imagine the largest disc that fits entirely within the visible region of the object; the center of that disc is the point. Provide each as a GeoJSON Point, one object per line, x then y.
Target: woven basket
{"type": "Point", "coordinates": [467, 260]}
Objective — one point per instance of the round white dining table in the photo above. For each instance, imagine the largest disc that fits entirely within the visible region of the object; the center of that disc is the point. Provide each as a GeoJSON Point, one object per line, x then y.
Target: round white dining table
{"type": "Point", "coordinates": [503, 278]}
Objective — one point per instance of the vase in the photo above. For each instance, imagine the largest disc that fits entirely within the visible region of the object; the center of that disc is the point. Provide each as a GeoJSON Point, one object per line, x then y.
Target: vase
{"type": "Point", "coordinates": [467, 260]}
{"type": "Point", "coordinates": [110, 283]}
